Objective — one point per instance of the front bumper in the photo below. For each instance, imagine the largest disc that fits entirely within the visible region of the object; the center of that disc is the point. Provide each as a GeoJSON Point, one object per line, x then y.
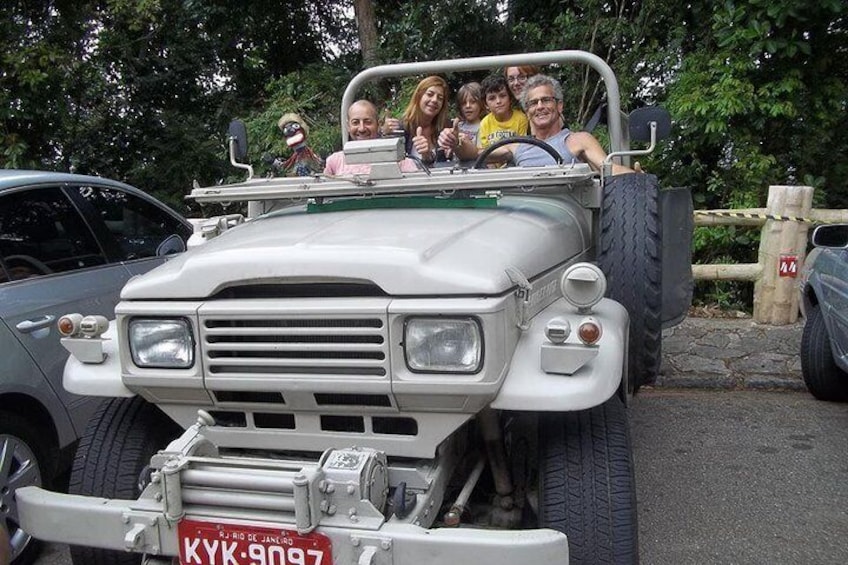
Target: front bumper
{"type": "Point", "coordinates": [129, 526]}
{"type": "Point", "coordinates": [342, 495]}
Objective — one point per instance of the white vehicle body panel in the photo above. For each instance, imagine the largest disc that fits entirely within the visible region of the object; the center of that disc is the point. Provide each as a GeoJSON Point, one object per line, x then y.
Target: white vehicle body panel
{"type": "Point", "coordinates": [528, 387]}
{"type": "Point", "coordinates": [402, 251]}
{"type": "Point", "coordinates": [98, 379]}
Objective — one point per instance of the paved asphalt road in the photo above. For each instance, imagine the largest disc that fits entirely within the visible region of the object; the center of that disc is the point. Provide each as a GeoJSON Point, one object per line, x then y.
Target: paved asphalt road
{"type": "Point", "coordinates": [732, 478]}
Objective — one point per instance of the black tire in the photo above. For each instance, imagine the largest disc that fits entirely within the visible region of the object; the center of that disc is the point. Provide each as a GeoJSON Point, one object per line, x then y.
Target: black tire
{"type": "Point", "coordinates": [824, 378]}
{"type": "Point", "coordinates": [117, 445]}
{"type": "Point", "coordinates": [587, 488]}
{"type": "Point", "coordinates": [24, 462]}
{"type": "Point", "coordinates": [630, 255]}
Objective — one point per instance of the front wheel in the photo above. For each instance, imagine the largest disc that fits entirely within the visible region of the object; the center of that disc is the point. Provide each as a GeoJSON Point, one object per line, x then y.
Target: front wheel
{"type": "Point", "coordinates": [23, 463]}
{"type": "Point", "coordinates": [587, 488]}
{"type": "Point", "coordinates": [117, 445]}
{"type": "Point", "coordinates": [824, 378]}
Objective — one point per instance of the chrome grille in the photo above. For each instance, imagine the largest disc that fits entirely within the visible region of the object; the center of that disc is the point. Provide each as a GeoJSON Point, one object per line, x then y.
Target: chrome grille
{"type": "Point", "coordinates": [295, 345]}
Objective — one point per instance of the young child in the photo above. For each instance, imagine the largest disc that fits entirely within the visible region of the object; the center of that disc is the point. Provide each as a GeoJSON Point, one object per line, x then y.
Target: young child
{"type": "Point", "coordinates": [469, 99]}
{"type": "Point", "coordinates": [503, 121]}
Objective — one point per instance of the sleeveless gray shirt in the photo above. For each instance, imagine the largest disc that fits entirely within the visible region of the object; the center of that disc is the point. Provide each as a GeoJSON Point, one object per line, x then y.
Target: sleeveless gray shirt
{"type": "Point", "coordinates": [527, 155]}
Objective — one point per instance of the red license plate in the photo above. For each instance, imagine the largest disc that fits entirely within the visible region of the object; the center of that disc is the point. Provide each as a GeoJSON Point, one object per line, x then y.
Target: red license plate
{"type": "Point", "coordinates": [214, 543]}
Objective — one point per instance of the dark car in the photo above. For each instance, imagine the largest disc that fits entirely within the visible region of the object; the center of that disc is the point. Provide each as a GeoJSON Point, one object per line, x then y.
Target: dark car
{"type": "Point", "coordinates": [68, 243]}
{"type": "Point", "coordinates": [824, 300]}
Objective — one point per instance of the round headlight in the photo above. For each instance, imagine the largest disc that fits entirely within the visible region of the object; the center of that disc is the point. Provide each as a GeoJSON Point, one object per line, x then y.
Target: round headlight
{"type": "Point", "coordinates": [583, 285]}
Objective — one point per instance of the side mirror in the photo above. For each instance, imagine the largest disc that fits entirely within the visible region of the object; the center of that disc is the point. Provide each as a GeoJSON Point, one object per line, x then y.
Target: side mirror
{"type": "Point", "coordinates": [238, 139]}
{"type": "Point", "coordinates": [640, 123]}
{"type": "Point", "coordinates": [834, 236]}
{"type": "Point", "coordinates": [170, 245]}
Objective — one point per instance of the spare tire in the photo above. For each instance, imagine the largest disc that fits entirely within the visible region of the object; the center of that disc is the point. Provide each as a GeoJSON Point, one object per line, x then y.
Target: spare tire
{"type": "Point", "coordinates": [630, 255]}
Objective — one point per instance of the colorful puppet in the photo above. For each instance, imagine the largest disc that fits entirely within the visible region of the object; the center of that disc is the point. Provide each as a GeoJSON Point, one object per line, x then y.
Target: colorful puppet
{"type": "Point", "coordinates": [303, 161]}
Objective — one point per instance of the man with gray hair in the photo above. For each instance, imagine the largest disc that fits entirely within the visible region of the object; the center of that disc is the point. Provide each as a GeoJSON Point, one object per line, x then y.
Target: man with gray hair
{"type": "Point", "coordinates": [542, 102]}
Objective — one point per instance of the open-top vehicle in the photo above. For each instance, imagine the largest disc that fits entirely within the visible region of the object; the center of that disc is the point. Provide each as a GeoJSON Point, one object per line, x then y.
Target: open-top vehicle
{"type": "Point", "coordinates": [428, 367]}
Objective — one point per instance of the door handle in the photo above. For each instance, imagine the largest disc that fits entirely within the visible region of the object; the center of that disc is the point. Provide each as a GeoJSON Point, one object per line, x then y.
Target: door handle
{"type": "Point", "coordinates": [29, 326]}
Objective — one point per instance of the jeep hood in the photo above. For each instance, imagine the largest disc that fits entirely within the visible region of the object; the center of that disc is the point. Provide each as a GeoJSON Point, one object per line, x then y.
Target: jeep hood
{"type": "Point", "coordinates": [431, 251]}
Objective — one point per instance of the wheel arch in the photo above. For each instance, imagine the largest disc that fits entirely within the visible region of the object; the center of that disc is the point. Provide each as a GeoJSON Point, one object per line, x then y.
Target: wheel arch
{"type": "Point", "coordinates": [35, 413]}
{"type": "Point", "coordinates": [809, 296]}
{"type": "Point", "coordinates": [527, 387]}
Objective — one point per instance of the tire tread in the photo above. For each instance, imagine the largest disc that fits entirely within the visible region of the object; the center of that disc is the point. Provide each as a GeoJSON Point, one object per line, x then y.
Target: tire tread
{"type": "Point", "coordinates": [823, 377]}
{"type": "Point", "coordinates": [587, 484]}
{"type": "Point", "coordinates": [630, 255]}
{"type": "Point", "coordinates": [118, 442]}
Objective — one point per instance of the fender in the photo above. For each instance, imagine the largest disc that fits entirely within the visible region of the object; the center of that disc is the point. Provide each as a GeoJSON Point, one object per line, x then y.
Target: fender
{"type": "Point", "coordinates": [527, 387]}
{"type": "Point", "coordinates": [98, 379]}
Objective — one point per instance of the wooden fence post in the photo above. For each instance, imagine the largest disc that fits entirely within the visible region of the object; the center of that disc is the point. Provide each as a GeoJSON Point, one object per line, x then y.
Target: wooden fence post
{"type": "Point", "coordinates": [776, 297]}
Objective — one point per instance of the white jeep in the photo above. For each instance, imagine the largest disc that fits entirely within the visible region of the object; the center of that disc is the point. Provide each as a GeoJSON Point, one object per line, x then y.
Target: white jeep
{"type": "Point", "coordinates": [407, 368]}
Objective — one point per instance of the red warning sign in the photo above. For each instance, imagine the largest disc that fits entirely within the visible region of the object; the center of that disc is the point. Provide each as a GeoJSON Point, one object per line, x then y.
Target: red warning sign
{"type": "Point", "coordinates": [788, 266]}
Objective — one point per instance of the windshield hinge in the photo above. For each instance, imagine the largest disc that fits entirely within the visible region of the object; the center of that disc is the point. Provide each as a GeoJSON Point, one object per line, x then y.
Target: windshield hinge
{"type": "Point", "coordinates": [522, 293]}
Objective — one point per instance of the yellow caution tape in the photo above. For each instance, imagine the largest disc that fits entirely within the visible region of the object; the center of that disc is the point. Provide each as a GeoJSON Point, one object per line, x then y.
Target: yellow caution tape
{"type": "Point", "coordinates": [761, 217]}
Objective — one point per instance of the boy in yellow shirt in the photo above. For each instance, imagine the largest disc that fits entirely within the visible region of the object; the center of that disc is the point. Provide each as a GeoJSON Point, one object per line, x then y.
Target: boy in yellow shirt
{"type": "Point", "coordinates": [503, 121]}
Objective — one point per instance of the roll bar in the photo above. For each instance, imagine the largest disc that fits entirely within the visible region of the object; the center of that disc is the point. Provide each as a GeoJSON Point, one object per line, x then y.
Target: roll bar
{"type": "Point", "coordinates": [617, 142]}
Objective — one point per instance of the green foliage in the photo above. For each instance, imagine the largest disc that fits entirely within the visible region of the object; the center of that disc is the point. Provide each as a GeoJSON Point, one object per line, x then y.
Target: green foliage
{"type": "Point", "coordinates": [143, 90]}
{"type": "Point", "coordinates": [715, 243]}
{"type": "Point", "coordinates": [422, 31]}
{"type": "Point", "coordinates": [727, 295]}
{"type": "Point", "coordinates": [314, 93]}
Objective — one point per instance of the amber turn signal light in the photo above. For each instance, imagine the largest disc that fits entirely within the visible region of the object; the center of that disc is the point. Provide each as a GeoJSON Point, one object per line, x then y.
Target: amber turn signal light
{"type": "Point", "coordinates": [69, 324]}
{"type": "Point", "coordinates": [589, 332]}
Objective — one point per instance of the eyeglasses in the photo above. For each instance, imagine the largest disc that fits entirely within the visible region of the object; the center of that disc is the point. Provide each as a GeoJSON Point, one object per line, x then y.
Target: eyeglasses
{"type": "Point", "coordinates": [543, 101]}
{"type": "Point", "coordinates": [520, 79]}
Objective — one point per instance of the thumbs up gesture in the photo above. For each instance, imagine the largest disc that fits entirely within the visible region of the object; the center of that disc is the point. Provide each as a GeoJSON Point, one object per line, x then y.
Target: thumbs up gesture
{"type": "Point", "coordinates": [390, 125]}
{"type": "Point", "coordinates": [422, 145]}
{"type": "Point", "coordinates": [449, 137]}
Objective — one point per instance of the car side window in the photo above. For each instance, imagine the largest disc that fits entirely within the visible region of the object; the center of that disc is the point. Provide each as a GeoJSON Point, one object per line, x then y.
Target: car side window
{"type": "Point", "coordinates": [137, 225]}
{"type": "Point", "coordinates": [41, 232]}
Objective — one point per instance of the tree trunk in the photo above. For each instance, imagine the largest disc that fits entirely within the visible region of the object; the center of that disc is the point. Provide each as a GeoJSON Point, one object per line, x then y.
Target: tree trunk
{"type": "Point", "coordinates": [366, 24]}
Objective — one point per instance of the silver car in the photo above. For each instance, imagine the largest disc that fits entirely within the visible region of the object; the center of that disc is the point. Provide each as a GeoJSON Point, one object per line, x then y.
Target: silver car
{"type": "Point", "coordinates": [68, 243]}
{"type": "Point", "coordinates": [824, 291]}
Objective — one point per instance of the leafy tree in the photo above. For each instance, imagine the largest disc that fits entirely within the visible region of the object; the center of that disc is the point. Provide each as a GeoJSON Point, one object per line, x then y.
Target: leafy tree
{"type": "Point", "coordinates": [142, 91]}
{"type": "Point", "coordinates": [762, 102]}
{"type": "Point", "coordinates": [39, 77]}
{"type": "Point", "coordinates": [420, 31]}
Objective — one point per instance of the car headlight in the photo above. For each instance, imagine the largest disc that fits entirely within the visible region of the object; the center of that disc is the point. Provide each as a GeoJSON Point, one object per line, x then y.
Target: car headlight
{"type": "Point", "coordinates": [443, 345]}
{"type": "Point", "coordinates": [162, 343]}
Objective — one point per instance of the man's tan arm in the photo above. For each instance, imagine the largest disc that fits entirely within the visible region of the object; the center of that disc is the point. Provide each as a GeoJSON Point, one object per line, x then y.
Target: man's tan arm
{"type": "Point", "coordinates": [585, 147]}
{"type": "Point", "coordinates": [501, 154]}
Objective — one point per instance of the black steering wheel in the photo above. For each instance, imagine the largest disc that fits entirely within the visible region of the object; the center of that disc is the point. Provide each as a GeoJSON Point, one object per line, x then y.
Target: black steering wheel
{"type": "Point", "coordinates": [481, 159]}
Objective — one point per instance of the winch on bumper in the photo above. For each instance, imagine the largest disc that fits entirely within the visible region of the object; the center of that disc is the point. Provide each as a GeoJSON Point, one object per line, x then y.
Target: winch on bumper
{"type": "Point", "coordinates": [203, 508]}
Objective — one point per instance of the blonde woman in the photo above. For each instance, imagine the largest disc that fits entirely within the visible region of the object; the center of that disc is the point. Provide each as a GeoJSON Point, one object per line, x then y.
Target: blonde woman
{"type": "Point", "coordinates": [424, 117]}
